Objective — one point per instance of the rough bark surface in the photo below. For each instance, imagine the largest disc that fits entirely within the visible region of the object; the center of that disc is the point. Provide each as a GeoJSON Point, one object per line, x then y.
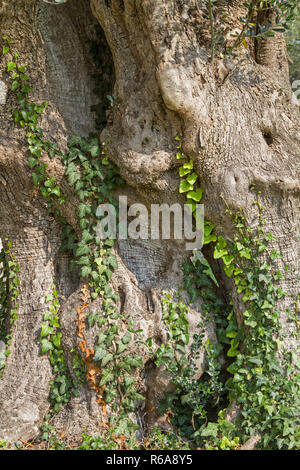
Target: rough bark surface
{"type": "Point", "coordinates": [238, 124]}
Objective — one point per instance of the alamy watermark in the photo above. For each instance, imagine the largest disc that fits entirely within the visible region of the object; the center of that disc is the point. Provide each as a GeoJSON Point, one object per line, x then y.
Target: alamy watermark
{"type": "Point", "coordinates": [163, 222]}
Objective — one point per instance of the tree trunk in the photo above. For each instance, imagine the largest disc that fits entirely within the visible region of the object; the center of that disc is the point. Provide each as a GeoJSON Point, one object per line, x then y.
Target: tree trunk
{"type": "Point", "coordinates": [237, 123]}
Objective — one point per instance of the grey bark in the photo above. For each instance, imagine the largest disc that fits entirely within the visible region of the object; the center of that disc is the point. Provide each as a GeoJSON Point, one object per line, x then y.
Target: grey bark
{"type": "Point", "coordinates": [167, 86]}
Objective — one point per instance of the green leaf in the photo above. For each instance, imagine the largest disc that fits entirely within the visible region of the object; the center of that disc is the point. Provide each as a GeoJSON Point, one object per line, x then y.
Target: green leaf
{"type": "Point", "coordinates": [36, 178]}
{"type": "Point", "coordinates": [128, 382]}
{"type": "Point", "coordinates": [269, 409]}
{"type": "Point", "coordinates": [251, 323]}
{"type": "Point", "coordinates": [85, 271]}
{"type": "Point", "coordinates": [112, 261]}
{"type": "Point", "coordinates": [211, 430]}
{"type": "Point", "coordinates": [11, 66]}
{"type": "Point", "coordinates": [101, 337]}
{"type": "Point", "coordinates": [194, 294]}
{"type": "Point", "coordinates": [183, 171]}
{"type": "Point", "coordinates": [220, 248]}
{"type": "Point", "coordinates": [109, 357]}
{"type": "Point", "coordinates": [195, 195]}
{"type": "Point", "coordinates": [56, 339]}
{"type": "Point", "coordinates": [185, 186]}
{"type": "Point", "coordinates": [136, 361]}
{"type": "Point", "coordinates": [46, 330]}
{"type": "Point", "coordinates": [229, 270]}
{"type": "Point", "coordinates": [109, 242]}
{"type": "Point", "coordinates": [179, 156]}
{"type": "Point", "coordinates": [191, 179]}
{"type": "Point", "coordinates": [191, 205]}
{"type": "Point", "coordinates": [86, 236]}
{"type": "Point", "coordinates": [82, 249]}
{"type": "Point", "coordinates": [15, 84]}
{"type": "Point", "coordinates": [100, 353]}
{"type": "Point", "coordinates": [121, 347]}
{"type": "Point", "coordinates": [32, 162]}
{"type": "Point", "coordinates": [46, 346]}
{"type": "Point", "coordinates": [188, 165]}
{"type": "Point", "coordinates": [107, 377]}
{"type": "Point", "coordinates": [127, 338]}
{"type": "Point", "coordinates": [233, 351]}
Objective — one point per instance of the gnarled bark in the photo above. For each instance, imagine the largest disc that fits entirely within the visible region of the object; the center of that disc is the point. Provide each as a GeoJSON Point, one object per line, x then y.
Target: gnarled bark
{"type": "Point", "coordinates": [237, 123]}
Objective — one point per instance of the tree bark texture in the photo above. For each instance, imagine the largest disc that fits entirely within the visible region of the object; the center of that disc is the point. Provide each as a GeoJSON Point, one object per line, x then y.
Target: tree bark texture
{"type": "Point", "coordinates": [238, 125]}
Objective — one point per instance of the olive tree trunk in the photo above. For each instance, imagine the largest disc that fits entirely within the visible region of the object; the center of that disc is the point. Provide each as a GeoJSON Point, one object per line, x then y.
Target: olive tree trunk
{"type": "Point", "coordinates": [237, 123]}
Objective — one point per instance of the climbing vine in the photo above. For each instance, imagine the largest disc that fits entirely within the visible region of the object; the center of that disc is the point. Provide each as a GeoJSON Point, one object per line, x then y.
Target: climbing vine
{"type": "Point", "coordinates": [94, 178]}
{"type": "Point", "coordinates": [262, 378]}
{"type": "Point", "coordinates": [61, 386]}
{"type": "Point", "coordinates": [187, 405]}
{"type": "Point", "coordinates": [9, 306]}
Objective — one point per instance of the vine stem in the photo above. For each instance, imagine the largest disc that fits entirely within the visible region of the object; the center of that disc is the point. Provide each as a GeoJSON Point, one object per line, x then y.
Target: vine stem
{"type": "Point", "coordinates": [212, 32]}
{"type": "Point", "coordinates": [248, 19]}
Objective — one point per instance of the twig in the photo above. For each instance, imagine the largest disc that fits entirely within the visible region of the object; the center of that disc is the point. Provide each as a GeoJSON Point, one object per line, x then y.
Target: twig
{"type": "Point", "coordinates": [212, 32]}
{"type": "Point", "coordinates": [248, 19]}
{"type": "Point", "coordinates": [51, 3]}
{"type": "Point", "coordinates": [26, 443]}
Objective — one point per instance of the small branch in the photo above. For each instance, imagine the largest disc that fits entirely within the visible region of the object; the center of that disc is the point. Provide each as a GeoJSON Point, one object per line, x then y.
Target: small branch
{"type": "Point", "coordinates": [54, 3]}
{"type": "Point", "coordinates": [212, 32]}
{"type": "Point", "coordinates": [247, 21]}
{"type": "Point", "coordinates": [251, 443]}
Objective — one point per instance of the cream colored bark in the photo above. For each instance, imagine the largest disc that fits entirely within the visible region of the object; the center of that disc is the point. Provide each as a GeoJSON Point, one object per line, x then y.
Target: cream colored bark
{"type": "Point", "coordinates": [227, 113]}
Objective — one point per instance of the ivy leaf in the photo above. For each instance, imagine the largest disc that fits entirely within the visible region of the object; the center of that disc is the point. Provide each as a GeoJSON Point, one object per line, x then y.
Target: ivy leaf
{"type": "Point", "coordinates": [227, 259]}
{"type": "Point", "coordinates": [85, 271]}
{"type": "Point", "coordinates": [195, 195]}
{"type": "Point", "coordinates": [109, 242]}
{"type": "Point", "coordinates": [189, 165]}
{"type": "Point", "coordinates": [126, 338]}
{"type": "Point", "coordinates": [100, 353]}
{"type": "Point", "coordinates": [220, 248]}
{"type": "Point", "coordinates": [191, 179]}
{"type": "Point", "coordinates": [11, 66]}
{"type": "Point", "coordinates": [191, 205]}
{"type": "Point", "coordinates": [128, 382]}
{"type": "Point", "coordinates": [82, 249]}
{"type": "Point", "coordinates": [121, 347]}
{"type": "Point", "coordinates": [185, 186]}
{"type": "Point", "coordinates": [86, 236]}
{"type": "Point", "coordinates": [136, 361]}
{"type": "Point", "coordinates": [36, 178]}
{"type": "Point", "coordinates": [211, 430]}
{"type": "Point", "coordinates": [56, 339]}
{"type": "Point", "coordinates": [22, 68]}
{"type": "Point", "coordinates": [83, 261]}
{"type": "Point", "coordinates": [107, 377]}
{"type": "Point", "coordinates": [101, 337]}
{"type": "Point", "coordinates": [179, 156]}
{"type": "Point", "coordinates": [46, 346]}
{"type": "Point", "coordinates": [194, 294]}
{"type": "Point", "coordinates": [32, 162]}
{"type": "Point", "coordinates": [15, 84]}
{"type": "Point", "coordinates": [46, 330]}
{"type": "Point", "coordinates": [112, 261]}
{"type": "Point", "coordinates": [183, 171]}
{"type": "Point", "coordinates": [92, 318]}
{"type": "Point", "coordinates": [109, 357]}
{"type": "Point", "coordinates": [229, 270]}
